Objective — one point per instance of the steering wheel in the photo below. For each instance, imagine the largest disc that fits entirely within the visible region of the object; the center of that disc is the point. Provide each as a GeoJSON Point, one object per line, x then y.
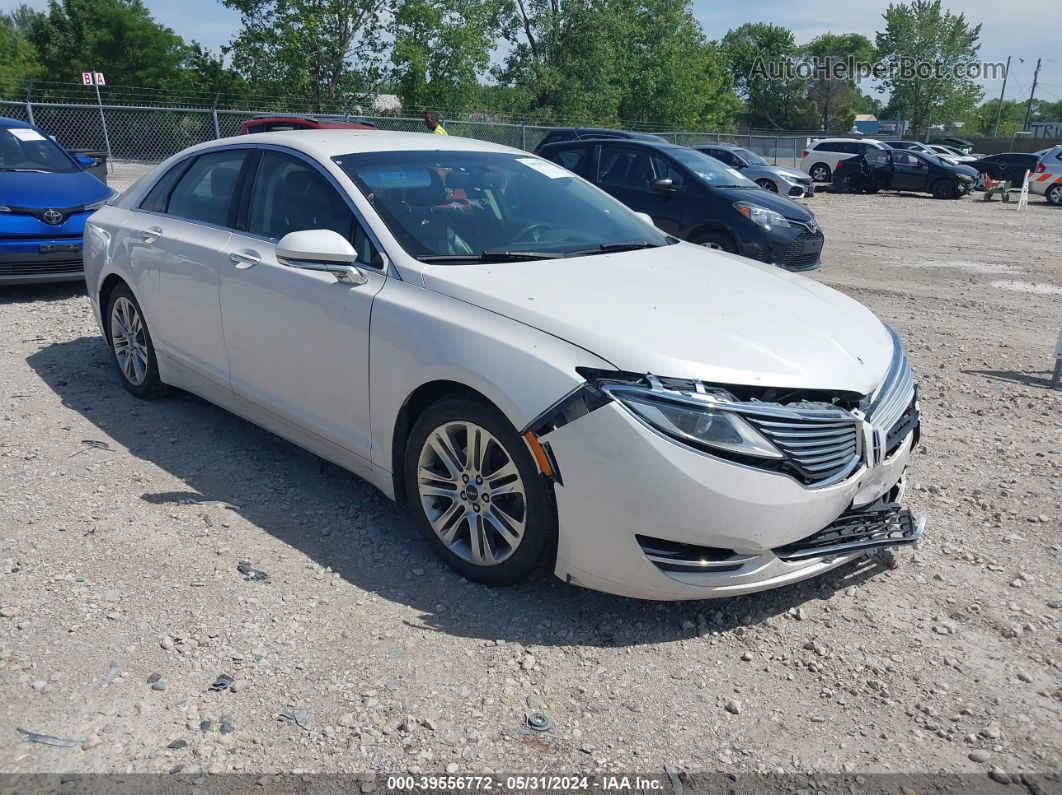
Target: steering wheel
{"type": "Point", "coordinates": [525, 234]}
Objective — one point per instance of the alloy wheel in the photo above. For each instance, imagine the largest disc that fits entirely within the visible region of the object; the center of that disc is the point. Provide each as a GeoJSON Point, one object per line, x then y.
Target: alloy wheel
{"type": "Point", "coordinates": [129, 341]}
{"type": "Point", "coordinates": [820, 174]}
{"type": "Point", "coordinates": [472, 493]}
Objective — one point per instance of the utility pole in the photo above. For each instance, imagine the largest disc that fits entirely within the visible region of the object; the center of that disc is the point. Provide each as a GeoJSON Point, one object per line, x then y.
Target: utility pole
{"type": "Point", "coordinates": [1032, 95]}
{"type": "Point", "coordinates": [999, 110]}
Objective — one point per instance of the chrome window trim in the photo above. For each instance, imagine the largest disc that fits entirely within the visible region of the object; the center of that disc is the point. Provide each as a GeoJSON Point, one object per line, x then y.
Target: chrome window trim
{"type": "Point", "coordinates": [390, 270]}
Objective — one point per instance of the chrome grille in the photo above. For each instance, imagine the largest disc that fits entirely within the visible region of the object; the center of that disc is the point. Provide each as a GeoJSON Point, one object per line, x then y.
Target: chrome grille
{"type": "Point", "coordinates": [890, 401]}
{"type": "Point", "coordinates": [817, 449]}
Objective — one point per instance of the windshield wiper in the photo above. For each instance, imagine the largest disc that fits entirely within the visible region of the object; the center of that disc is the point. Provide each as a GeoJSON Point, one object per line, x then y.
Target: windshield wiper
{"type": "Point", "coordinates": [492, 255]}
{"type": "Point", "coordinates": [29, 170]}
{"type": "Point", "coordinates": [612, 248]}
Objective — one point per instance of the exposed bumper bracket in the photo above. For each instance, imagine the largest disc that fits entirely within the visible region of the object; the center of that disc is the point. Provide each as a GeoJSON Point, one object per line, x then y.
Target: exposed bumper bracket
{"type": "Point", "coordinates": [880, 525]}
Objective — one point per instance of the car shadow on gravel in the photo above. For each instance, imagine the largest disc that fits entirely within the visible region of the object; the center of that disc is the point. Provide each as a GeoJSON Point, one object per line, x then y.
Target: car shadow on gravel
{"type": "Point", "coordinates": [33, 293]}
{"type": "Point", "coordinates": [1041, 380]}
{"type": "Point", "coordinates": [340, 522]}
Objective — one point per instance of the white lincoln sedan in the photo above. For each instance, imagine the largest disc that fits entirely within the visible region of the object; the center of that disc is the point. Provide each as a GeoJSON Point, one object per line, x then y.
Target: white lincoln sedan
{"type": "Point", "coordinates": [549, 381]}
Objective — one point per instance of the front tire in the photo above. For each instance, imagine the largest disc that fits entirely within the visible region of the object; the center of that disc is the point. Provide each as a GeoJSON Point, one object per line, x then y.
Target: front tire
{"type": "Point", "coordinates": [476, 494]}
{"type": "Point", "coordinates": [720, 241]}
{"type": "Point", "coordinates": [944, 189]}
{"type": "Point", "coordinates": [130, 341]}
{"type": "Point", "coordinates": [1054, 194]}
{"type": "Point", "coordinates": [767, 184]}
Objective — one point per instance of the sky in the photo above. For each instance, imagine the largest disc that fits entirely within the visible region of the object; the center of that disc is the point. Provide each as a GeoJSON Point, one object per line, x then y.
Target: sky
{"type": "Point", "coordinates": [1025, 29]}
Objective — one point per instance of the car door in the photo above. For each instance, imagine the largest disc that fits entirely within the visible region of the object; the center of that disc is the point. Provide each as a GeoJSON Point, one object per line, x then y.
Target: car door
{"type": "Point", "coordinates": [879, 166]}
{"type": "Point", "coordinates": [576, 158]}
{"type": "Point", "coordinates": [910, 172]}
{"type": "Point", "coordinates": [187, 239]}
{"type": "Point", "coordinates": [628, 173]}
{"type": "Point", "coordinates": [298, 340]}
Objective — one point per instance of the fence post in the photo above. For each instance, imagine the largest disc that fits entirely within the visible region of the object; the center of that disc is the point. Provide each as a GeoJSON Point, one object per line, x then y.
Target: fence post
{"type": "Point", "coordinates": [776, 150]}
{"type": "Point", "coordinates": [523, 137]}
{"type": "Point", "coordinates": [214, 113]}
{"type": "Point", "coordinates": [103, 120]}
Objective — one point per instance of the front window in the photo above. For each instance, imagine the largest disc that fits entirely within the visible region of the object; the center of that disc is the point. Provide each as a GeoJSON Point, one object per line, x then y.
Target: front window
{"type": "Point", "coordinates": [443, 205]}
{"type": "Point", "coordinates": [26, 149]}
{"type": "Point", "coordinates": [709, 170]}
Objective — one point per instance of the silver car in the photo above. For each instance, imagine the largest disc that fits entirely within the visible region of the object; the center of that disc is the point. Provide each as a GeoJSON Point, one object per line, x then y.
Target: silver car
{"type": "Point", "coordinates": [791, 182]}
{"type": "Point", "coordinates": [546, 379]}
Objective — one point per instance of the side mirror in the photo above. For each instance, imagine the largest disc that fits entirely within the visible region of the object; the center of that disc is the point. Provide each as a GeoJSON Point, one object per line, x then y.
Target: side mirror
{"type": "Point", "coordinates": [85, 161]}
{"type": "Point", "coordinates": [664, 186]}
{"type": "Point", "coordinates": [320, 250]}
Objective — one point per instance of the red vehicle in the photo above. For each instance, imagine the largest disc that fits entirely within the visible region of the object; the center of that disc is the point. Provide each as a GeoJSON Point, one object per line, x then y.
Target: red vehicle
{"type": "Point", "coordinates": [276, 123]}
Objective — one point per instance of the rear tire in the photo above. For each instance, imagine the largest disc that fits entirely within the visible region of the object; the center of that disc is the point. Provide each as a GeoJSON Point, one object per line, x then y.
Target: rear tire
{"type": "Point", "coordinates": [1054, 194]}
{"type": "Point", "coordinates": [131, 345]}
{"type": "Point", "coordinates": [476, 494]}
{"type": "Point", "coordinates": [820, 172]}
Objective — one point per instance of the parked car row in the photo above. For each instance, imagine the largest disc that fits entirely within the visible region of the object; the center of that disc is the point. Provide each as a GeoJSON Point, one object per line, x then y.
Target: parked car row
{"type": "Point", "coordinates": [697, 198]}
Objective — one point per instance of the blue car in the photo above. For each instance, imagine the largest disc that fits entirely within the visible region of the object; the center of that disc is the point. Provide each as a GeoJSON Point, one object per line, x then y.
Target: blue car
{"type": "Point", "coordinates": [45, 197]}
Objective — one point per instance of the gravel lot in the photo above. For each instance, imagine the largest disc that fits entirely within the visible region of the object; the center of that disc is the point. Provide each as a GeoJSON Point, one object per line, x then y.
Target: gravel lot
{"type": "Point", "coordinates": [120, 602]}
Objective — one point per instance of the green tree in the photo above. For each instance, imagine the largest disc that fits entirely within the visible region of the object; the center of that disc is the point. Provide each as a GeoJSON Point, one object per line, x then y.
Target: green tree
{"type": "Point", "coordinates": [759, 56]}
{"type": "Point", "coordinates": [18, 58]}
{"type": "Point", "coordinates": [673, 76]}
{"type": "Point", "coordinates": [835, 93]}
{"type": "Point", "coordinates": [922, 35]}
{"type": "Point", "coordinates": [118, 37]}
{"type": "Point", "coordinates": [325, 51]}
{"type": "Point", "coordinates": [441, 49]}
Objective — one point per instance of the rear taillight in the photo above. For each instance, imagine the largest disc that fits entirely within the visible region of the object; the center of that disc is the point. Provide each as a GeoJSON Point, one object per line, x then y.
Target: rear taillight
{"type": "Point", "coordinates": [839, 164]}
{"type": "Point", "coordinates": [806, 153]}
{"type": "Point", "coordinates": [1040, 169]}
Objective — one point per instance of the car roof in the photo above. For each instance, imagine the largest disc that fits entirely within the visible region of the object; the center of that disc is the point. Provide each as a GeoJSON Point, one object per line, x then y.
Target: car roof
{"type": "Point", "coordinates": [832, 140]}
{"type": "Point", "coordinates": [636, 142]}
{"type": "Point", "coordinates": [714, 145]}
{"type": "Point", "coordinates": [327, 143]}
{"type": "Point", "coordinates": [6, 122]}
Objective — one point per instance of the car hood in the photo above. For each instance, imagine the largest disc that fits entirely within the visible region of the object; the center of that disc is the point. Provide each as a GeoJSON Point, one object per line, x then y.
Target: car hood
{"type": "Point", "coordinates": [685, 311]}
{"type": "Point", "coordinates": [771, 201]}
{"type": "Point", "coordinates": [51, 189]}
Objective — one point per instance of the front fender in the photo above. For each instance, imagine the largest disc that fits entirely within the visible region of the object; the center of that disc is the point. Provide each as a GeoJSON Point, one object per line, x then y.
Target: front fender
{"type": "Point", "coordinates": [419, 336]}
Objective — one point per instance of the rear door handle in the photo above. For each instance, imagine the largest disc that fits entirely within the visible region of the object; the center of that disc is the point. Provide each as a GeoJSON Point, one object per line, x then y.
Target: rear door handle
{"type": "Point", "coordinates": [151, 234]}
{"type": "Point", "coordinates": [245, 259]}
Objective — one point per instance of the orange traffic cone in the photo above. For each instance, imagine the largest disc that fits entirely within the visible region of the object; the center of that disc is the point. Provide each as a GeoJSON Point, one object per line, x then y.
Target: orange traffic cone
{"type": "Point", "coordinates": [988, 182]}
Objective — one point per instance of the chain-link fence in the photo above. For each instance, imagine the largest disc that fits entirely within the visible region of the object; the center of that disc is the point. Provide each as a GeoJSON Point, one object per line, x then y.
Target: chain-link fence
{"type": "Point", "coordinates": [149, 134]}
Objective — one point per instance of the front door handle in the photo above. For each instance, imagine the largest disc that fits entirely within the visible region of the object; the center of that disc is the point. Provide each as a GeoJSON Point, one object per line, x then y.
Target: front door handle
{"type": "Point", "coordinates": [151, 234]}
{"type": "Point", "coordinates": [245, 259]}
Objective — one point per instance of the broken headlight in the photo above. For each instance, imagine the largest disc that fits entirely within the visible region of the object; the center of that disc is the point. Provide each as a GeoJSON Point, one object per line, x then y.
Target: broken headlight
{"type": "Point", "coordinates": [699, 419]}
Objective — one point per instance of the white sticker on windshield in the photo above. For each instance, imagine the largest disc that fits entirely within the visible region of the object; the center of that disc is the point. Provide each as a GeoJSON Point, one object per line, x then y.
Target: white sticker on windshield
{"type": "Point", "coordinates": [25, 134]}
{"type": "Point", "coordinates": [551, 170]}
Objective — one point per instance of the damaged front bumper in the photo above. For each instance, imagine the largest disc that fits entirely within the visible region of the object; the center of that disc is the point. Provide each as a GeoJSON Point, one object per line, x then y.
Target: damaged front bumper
{"type": "Point", "coordinates": [643, 516]}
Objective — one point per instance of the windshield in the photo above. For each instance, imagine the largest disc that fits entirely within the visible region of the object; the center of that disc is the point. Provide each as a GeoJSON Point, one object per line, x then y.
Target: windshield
{"type": "Point", "coordinates": [25, 149]}
{"type": "Point", "coordinates": [443, 205]}
{"type": "Point", "coordinates": [752, 158]}
{"type": "Point", "coordinates": [710, 170]}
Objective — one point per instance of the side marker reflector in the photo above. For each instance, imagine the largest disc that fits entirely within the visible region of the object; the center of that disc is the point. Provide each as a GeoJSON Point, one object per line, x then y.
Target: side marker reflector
{"type": "Point", "coordinates": [544, 465]}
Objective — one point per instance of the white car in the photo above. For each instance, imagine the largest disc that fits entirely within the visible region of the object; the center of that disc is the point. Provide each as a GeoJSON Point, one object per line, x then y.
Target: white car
{"type": "Point", "coordinates": [1047, 179]}
{"type": "Point", "coordinates": [947, 152]}
{"type": "Point", "coordinates": [822, 155]}
{"type": "Point", "coordinates": [547, 379]}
